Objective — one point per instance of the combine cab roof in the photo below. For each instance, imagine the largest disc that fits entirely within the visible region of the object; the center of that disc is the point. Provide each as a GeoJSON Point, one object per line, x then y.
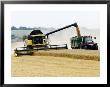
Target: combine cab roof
{"type": "Point", "coordinates": [35, 32]}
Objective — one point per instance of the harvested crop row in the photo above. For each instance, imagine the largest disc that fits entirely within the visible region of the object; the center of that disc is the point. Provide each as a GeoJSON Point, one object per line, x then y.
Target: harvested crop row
{"type": "Point", "coordinates": [63, 53]}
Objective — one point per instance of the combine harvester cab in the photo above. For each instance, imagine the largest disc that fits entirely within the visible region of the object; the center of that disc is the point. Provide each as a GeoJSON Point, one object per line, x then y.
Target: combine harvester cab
{"type": "Point", "coordinates": [36, 39]}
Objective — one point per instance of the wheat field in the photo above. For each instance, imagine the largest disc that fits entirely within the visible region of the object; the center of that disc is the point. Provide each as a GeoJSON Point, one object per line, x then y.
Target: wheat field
{"type": "Point", "coordinates": [57, 63]}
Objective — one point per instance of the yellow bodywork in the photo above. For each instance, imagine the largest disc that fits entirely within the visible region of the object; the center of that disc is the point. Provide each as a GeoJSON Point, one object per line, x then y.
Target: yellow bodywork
{"type": "Point", "coordinates": [28, 42]}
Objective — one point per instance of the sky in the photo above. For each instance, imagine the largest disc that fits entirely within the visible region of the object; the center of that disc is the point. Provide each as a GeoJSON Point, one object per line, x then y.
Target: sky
{"type": "Point", "coordinates": [55, 19]}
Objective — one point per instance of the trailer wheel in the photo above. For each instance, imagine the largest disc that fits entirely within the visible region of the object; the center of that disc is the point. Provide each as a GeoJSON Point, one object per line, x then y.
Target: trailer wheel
{"type": "Point", "coordinates": [81, 47]}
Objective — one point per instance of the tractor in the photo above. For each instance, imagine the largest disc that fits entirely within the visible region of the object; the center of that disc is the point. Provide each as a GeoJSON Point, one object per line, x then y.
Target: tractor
{"type": "Point", "coordinates": [83, 42]}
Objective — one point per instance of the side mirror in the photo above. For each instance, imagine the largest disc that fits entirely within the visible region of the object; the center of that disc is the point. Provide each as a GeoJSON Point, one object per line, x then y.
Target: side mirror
{"type": "Point", "coordinates": [94, 37]}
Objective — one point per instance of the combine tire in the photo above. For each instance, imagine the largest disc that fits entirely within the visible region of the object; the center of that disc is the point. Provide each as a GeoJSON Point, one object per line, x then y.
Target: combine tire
{"type": "Point", "coordinates": [30, 48]}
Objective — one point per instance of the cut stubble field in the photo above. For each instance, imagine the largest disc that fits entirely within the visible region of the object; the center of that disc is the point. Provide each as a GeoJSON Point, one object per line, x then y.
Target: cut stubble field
{"type": "Point", "coordinates": [57, 63]}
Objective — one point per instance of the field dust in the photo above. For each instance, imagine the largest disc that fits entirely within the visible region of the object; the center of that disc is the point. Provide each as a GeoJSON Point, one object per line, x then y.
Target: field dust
{"type": "Point", "coordinates": [57, 63]}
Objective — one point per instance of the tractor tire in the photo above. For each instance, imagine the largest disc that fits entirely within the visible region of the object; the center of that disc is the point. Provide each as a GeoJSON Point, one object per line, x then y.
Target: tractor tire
{"type": "Point", "coordinates": [85, 47]}
{"type": "Point", "coordinates": [96, 48]}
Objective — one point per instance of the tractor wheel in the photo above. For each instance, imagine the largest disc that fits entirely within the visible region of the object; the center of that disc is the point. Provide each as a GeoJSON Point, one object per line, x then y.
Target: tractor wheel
{"type": "Point", "coordinates": [85, 47]}
{"type": "Point", "coordinates": [96, 48]}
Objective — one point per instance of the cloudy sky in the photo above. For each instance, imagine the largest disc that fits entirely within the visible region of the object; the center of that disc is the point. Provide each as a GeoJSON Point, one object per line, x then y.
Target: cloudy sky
{"type": "Point", "coordinates": [56, 19]}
